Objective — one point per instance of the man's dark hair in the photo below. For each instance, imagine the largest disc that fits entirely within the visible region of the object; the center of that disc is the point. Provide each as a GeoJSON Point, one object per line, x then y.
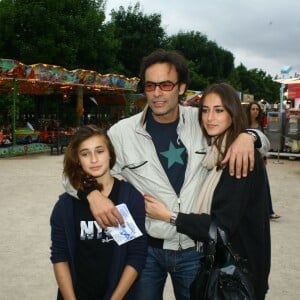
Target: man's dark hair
{"type": "Point", "coordinates": [173, 58]}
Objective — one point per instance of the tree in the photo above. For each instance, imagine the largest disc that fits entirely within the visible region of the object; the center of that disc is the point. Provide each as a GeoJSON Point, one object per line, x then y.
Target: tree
{"type": "Point", "coordinates": [209, 60]}
{"type": "Point", "coordinates": [74, 34]}
{"type": "Point", "coordinates": [138, 35]}
{"type": "Point", "coordinates": [69, 33]}
{"type": "Point", "coordinates": [255, 82]}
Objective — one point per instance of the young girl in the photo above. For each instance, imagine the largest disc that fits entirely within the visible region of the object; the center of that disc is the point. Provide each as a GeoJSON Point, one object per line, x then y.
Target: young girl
{"type": "Point", "coordinates": [87, 263]}
{"type": "Point", "coordinates": [238, 206]}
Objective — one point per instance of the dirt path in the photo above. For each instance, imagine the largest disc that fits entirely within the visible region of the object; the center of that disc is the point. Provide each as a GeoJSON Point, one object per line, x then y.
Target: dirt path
{"type": "Point", "coordinates": [30, 186]}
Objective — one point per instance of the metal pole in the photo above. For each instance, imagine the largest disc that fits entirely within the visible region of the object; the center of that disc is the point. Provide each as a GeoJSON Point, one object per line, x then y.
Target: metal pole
{"type": "Point", "coordinates": [281, 95]}
{"type": "Point", "coordinates": [14, 112]}
{"type": "Point", "coordinates": [79, 107]}
{"type": "Point", "coordinates": [280, 120]}
{"type": "Point", "coordinates": [284, 70]}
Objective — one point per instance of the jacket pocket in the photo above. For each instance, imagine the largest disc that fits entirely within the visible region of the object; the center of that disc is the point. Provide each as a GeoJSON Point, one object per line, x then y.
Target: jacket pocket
{"type": "Point", "coordinates": [134, 165]}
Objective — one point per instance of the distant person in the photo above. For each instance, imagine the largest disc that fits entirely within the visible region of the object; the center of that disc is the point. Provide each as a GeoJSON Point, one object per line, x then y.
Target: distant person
{"type": "Point", "coordinates": [255, 121]}
{"type": "Point", "coordinates": [160, 151]}
{"type": "Point", "coordinates": [237, 206]}
{"type": "Point", "coordinates": [255, 116]}
{"type": "Point", "coordinates": [87, 262]}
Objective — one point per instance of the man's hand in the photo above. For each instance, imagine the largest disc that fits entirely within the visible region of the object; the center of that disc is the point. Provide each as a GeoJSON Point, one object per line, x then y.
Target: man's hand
{"type": "Point", "coordinates": [240, 155]}
{"type": "Point", "coordinates": [156, 209]}
{"type": "Point", "coordinates": [103, 210]}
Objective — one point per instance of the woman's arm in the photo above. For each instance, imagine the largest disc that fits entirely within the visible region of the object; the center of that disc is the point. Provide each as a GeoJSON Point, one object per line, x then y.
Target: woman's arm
{"type": "Point", "coordinates": [64, 280]}
{"type": "Point", "coordinates": [230, 202]}
{"type": "Point", "coordinates": [128, 277]}
{"type": "Point", "coordinates": [194, 225]}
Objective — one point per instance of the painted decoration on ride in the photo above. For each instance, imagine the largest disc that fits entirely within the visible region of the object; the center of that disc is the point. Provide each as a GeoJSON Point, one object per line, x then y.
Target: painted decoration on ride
{"type": "Point", "coordinates": [23, 149]}
{"type": "Point", "coordinates": [46, 79]}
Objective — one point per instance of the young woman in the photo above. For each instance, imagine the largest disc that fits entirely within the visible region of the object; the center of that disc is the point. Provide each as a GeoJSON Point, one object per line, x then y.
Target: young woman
{"type": "Point", "coordinates": [239, 206]}
{"type": "Point", "coordinates": [88, 264]}
{"type": "Point", "coordinates": [255, 116]}
{"type": "Point", "coordinates": [255, 121]}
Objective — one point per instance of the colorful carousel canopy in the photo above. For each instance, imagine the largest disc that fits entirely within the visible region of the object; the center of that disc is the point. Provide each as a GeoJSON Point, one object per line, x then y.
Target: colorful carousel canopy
{"type": "Point", "coordinates": [41, 79]}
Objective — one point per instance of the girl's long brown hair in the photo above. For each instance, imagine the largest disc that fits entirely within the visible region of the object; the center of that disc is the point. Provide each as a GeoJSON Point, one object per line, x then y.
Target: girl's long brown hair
{"type": "Point", "coordinates": [233, 106]}
{"type": "Point", "coordinates": [72, 168]}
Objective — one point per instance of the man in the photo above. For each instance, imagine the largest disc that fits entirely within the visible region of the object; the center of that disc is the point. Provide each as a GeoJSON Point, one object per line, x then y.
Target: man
{"type": "Point", "coordinates": [160, 151]}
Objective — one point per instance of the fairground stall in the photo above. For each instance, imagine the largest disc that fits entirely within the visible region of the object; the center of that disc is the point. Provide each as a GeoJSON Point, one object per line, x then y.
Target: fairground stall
{"type": "Point", "coordinates": [283, 124]}
{"type": "Point", "coordinates": [17, 78]}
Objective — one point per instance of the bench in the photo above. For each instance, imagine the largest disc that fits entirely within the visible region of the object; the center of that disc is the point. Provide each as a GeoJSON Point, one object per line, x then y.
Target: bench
{"type": "Point", "coordinates": [59, 142]}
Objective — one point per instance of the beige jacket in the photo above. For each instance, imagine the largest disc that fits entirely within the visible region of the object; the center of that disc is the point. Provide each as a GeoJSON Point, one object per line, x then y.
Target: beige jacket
{"type": "Point", "coordinates": [138, 163]}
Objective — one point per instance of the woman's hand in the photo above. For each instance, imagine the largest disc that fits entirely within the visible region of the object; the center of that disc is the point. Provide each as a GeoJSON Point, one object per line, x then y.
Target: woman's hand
{"type": "Point", "coordinates": [156, 209]}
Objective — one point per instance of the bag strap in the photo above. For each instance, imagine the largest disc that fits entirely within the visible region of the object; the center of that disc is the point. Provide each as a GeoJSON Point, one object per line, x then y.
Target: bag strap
{"type": "Point", "coordinates": [225, 240]}
{"type": "Point", "coordinates": [211, 244]}
{"type": "Point", "coordinates": [210, 249]}
{"type": "Point", "coordinates": [214, 232]}
{"type": "Point", "coordinates": [223, 236]}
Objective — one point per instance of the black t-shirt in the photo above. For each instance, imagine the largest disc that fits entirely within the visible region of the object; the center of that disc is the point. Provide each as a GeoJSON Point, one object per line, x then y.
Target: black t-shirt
{"type": "Point", "coordinates": [93, 254]}
{"type": "Point", "coordinates": [170, 150]}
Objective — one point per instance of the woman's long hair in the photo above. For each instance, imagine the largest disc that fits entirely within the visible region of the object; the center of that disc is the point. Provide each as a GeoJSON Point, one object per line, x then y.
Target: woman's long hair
{"type": "Point", "coordinates": [259, 118]}
{"type": "Point", "coordinates": [72, 168]}
{"type": "Point", "coordinates": [233, 106]}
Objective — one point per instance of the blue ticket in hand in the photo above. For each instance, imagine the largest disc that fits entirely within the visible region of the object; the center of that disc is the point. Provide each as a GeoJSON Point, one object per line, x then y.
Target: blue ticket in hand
{"type": "Point", "coordinates": [127, 232]}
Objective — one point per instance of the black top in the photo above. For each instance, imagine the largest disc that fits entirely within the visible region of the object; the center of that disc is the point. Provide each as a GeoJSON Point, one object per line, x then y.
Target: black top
{"type": "Point", "coordinates": [94, 250]}
{"type": "Point", "coordinates": [240, 207]}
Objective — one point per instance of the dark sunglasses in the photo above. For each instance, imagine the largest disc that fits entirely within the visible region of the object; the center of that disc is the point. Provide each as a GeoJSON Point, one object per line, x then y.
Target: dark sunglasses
{"type": "Point", "coordinates": [163, 85]}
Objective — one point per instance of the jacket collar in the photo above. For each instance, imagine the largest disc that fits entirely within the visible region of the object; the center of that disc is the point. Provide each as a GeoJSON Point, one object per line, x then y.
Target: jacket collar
{"type": "Point", "coordinates": [147, 110]}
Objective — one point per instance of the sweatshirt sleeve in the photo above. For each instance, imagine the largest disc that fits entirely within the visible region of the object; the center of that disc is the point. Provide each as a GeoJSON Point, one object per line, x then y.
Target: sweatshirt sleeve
{"type": "Point", "coordinates": [137, 248]}
{"type": "Point", "coordinates": [194, 225]}
{"type": "Point", "coordinates": [264, 146]}
{"type": "Point", "coordinates": [58, 246]}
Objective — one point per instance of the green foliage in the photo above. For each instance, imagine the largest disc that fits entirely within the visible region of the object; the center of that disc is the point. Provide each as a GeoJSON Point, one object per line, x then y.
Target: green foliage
{"type": "Point", "coordinates": [255, 82]}
{"type": "Point", "coordinates": [24, 105]}
{"type": "Point", "coordinates": [69, 33]}
{"type": "Point", "coordinates": [198, 82]}
{"type": "Point", "coordinates": [74, 34]}
{"type": "Point", "coordinates": [138, 35]}
{"type": "Point", "coordinates": [209, 60]}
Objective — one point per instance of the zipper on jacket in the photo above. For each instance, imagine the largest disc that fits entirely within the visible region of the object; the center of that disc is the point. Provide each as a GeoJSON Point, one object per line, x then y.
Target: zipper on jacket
{"type": "Point", "coordinates": [179, 235]}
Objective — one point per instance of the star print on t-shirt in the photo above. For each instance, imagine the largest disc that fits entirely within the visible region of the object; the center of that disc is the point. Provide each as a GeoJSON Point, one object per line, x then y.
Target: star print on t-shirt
{"type": "Point", "coordinates": [173, 155]}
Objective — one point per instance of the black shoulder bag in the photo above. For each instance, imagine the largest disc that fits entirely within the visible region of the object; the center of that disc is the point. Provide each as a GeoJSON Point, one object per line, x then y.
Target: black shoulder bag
{"type": "Point", "coordinates": [222, 275]}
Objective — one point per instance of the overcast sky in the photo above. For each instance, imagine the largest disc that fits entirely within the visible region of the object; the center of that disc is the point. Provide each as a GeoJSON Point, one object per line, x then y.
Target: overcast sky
{"type": "Point", "coordinates": [262, 34]}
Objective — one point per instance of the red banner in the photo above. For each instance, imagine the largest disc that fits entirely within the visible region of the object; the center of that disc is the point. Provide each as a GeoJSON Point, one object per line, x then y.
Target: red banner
{"type": "Point", "coordinates": [293, 91]}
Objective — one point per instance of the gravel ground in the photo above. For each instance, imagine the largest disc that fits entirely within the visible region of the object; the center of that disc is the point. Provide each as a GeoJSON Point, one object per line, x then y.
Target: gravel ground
{"type": "Point", "coordinates": [30, 186]}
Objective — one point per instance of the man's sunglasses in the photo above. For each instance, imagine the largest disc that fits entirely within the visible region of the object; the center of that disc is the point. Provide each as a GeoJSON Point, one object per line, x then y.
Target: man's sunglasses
{"type": "Point", "coordinates": [163, 85]}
